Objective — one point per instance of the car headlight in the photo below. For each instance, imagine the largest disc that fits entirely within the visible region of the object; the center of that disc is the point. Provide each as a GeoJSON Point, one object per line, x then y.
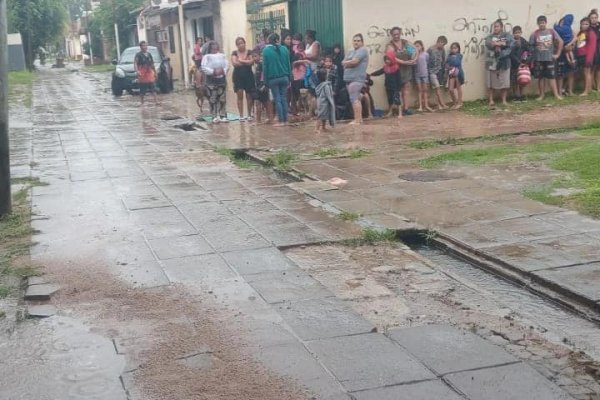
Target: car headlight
{"type": "Point", "coordinates": [119, 73]}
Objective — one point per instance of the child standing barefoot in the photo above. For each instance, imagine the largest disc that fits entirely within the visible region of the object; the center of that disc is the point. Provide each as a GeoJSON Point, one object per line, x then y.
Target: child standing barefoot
{"type": "Point", "coordinates": [391, 83]}
{"type": "Point", "coordinates": [325, 103]}
{"type": "Point", "coordinates": [437, 61]}
{"type": "Point", "coordinates": [422, 76]}
{"type": "Point", "coordinates": [456, 75]}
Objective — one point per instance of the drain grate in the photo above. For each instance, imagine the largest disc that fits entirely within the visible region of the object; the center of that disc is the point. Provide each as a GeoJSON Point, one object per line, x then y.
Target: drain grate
{"type": "Point", "coordinates": [429, 176]}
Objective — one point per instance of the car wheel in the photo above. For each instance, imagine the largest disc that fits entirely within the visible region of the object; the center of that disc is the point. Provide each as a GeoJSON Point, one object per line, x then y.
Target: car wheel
{"type": "Point", "coordinates": [164, 84]}
{"type": "Point", "coordinates": [116, 89]}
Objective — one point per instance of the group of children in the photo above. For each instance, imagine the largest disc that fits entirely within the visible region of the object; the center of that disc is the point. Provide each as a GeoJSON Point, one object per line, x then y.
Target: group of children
{"type": "Point", "coordinates": [317, 87]}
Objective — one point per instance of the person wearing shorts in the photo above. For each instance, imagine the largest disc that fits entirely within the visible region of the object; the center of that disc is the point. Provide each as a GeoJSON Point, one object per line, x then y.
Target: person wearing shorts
{"type": "Point", "coordinates": [355, 71]}
{"type": "Point", "coordinates": [145, 72]}
{"type": "Point", "coordinates": [437, 60]}
{"type": "Point", "coordinates": [547, 46]}
{"type": "Point", "coordinates": [422, 76]}
{"type": "Point", "coordinates": [498, 47]}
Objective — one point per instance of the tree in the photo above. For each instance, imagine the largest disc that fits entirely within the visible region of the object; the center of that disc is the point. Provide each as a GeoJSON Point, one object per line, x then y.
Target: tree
{"type": "Point", "coordinates": [39, 21]}
{"type": "Point", "coordinates": [77, 8]}
{"type": "Point", "coordinates": [116, 11]}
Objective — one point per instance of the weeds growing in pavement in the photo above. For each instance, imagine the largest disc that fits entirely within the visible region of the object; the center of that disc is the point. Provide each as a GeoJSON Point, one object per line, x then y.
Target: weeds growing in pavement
{"type": "Point", "coordinates": [237, 157]}
{"type": "Point", "coordinates": [372, 236]}
{"type": "Point", "coordinates": [329, 152]}
{"type": "Point", "coordinates": [348, 216]}
{"type": "Point", "coordinates": [578, 158]}
{"type": "Point", "coordinates": [359, 153]}
{"type": "Point", "coordinates": [480, 108]}
{"type": "Point", "coordinates": [282, 160]}
{"type": "Point", "coordinates": [4, 291]}
{"type": "Point", "coordinates": [15, 239]}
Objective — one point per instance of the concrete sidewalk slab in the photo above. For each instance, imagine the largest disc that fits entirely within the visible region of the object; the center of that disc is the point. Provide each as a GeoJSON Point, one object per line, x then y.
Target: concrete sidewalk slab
{"type": "Point", "coordinates": [323, 318]}
{"type": "Point", "coordinates": [508, 382]}
{"type": "Point", "coordinates": [368, 361]}
{"type": "Point", "coordinates": [446, 349]}
{"type": "Point", "coordinates": [288, 286]}
{"type": "Point", "coordinates": [258, 261]}
{"type": "Point", "coordinates": [180, 246]}
{"type": "Point", "coordinates": [584, 280]}
{"type": "Point", "coordinates": [548, 253]}
{"type": "Point", "coordinates": [203, 268]}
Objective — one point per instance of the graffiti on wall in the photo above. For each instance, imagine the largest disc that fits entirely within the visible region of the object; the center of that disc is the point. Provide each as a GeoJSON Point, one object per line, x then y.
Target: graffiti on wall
{"type": "Point", "coordinates": [477, 29]}
{"type": "Point", "coordinates": [377, 37]}
{"type": "Point", "coordinates": [472, 31]}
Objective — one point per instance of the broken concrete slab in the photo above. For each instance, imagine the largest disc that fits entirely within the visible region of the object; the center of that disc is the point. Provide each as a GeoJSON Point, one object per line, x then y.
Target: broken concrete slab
{"type": "Point", "coordinates": [437, 346]}
{"type": "Point", "coordinates": [515, 381]}
{"type": "Point", "coordinates": [368, 361]}
{"type": "Point", "coordinates": [288, 286]}
{"type": "Point", "coordinates": [36, 280]}
{"type": "Point", "coordinates": [41, 292]}
{"type": "Point", "coordinates": [41, 311]}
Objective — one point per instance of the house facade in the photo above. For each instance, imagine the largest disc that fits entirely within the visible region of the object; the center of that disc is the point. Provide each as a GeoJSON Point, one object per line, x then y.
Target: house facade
{"type": "Point", "coordinates": [336, 21]}
{"type": "Point", "coordinates": [462, 21]}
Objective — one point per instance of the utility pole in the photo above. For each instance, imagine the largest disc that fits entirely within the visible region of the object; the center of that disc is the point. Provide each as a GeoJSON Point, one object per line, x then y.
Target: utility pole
{"type": "Point", "coordinates": [116, 30]}
{"type": "Point", "coordinates": [5, 195]}
{"type": "Point", "coordinates": [182, 42]}
{"type": "Point", "coordinates": [87, 27]}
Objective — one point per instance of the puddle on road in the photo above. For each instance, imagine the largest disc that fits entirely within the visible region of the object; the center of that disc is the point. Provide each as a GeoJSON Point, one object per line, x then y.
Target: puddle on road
{"type": "Point", "coordinates": [59, 358]}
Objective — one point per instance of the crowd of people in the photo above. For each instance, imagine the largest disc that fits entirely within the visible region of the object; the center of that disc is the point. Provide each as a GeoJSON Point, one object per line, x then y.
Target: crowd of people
{"type": "Point", "coordinates": [293, 77]}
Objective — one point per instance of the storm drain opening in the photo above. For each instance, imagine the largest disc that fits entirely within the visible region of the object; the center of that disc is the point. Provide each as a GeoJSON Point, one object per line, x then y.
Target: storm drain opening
{"type": "Point", "coordinates": [187, 126]}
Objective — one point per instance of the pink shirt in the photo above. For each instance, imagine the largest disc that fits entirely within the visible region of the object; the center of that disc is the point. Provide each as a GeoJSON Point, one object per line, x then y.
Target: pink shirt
{"type": "Point", "coordinates": [298, 71]}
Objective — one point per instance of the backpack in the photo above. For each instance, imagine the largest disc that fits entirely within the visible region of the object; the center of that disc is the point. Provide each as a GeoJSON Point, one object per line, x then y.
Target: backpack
{"type": "Point", "coordinates": [523, 76]}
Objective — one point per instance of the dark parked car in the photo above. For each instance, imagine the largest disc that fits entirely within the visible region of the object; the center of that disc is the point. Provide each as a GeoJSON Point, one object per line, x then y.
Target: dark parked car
{"type": "Point", "coordinates": [124, 77]}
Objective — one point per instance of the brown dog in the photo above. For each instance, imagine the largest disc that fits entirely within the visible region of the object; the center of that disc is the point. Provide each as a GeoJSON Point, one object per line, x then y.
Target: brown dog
{"type": "Point", "coordinates": [201, 94]}
{"type": "Point", "coordinates": [198, 83]}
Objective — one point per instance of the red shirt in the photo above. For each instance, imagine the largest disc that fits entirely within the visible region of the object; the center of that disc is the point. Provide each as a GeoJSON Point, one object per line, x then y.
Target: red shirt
{"type": "Point", "coordinates": [145, 67]}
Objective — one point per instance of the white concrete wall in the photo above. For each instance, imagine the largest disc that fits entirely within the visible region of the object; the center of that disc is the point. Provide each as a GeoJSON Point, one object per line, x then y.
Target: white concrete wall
{"type": "Point", "coordinates": [463, 21]}
{"type": "Point", "coordinates": [233, 23]}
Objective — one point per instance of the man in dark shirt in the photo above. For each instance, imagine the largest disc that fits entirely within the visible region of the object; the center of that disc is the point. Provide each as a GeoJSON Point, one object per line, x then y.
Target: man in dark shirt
{"type": "Point", "coordinates": [145, 72]}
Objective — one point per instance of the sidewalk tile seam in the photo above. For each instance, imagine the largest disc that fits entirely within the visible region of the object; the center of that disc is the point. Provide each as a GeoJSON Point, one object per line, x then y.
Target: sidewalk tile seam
{"type": "Point", "coordinates": [480, 368]}
{"type": "Point", "coordinates": [591, 262]}
{"type": "Point", "coordinates": [437, 379]}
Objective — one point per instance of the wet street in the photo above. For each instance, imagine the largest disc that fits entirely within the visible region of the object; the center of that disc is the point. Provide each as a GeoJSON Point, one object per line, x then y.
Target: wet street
{"type": "Point", "coordinates": [181, 275]}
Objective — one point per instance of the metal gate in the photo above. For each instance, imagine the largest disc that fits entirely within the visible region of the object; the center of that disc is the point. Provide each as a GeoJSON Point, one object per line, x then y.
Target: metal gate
{"type": "Point", "coordinates": [274, 21]}
{"type": "Point", "coordinates": [323, 16]}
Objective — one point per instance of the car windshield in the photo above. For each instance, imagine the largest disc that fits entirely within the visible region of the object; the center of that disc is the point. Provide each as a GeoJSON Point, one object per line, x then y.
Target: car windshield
{"type": "Point", "coordinates": [129, 54]}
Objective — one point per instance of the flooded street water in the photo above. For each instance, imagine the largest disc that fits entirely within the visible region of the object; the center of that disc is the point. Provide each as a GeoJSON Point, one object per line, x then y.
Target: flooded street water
{"type": "Point", "coordinates": [550, 319]}
{"type": "Point", "coordinates": [59, 358]}
{"type": "Point", "coordinates": [185, 277]}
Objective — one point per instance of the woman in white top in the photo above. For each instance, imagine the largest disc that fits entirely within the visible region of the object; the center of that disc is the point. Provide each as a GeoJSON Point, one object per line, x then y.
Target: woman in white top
{"type": "Point", "coordinates": [215, 66]}
{"type": "Point", "coordinates": [313, 49]}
